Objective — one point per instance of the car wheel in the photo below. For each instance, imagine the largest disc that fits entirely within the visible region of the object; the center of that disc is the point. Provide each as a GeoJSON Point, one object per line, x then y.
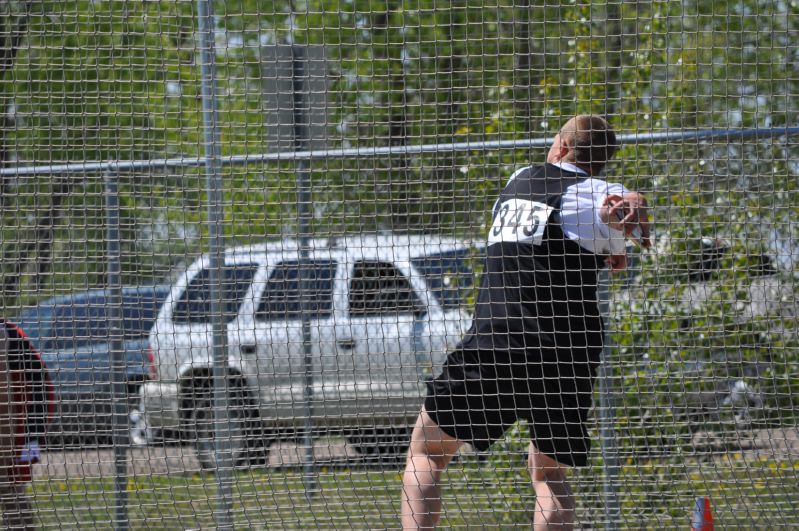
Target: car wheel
{"type": "Point", "coordinates": [388, 445]}
{"type": "Point", "coordinates": [244, 432]}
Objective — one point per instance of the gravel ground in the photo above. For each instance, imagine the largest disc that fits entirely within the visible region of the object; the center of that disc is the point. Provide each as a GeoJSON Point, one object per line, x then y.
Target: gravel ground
{"type": "Point", "coordinates": [155, 460]}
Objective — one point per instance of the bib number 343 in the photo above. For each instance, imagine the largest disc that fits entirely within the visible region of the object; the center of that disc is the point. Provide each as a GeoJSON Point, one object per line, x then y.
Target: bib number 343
{"type": "Point", "coordinates": [520, 221]}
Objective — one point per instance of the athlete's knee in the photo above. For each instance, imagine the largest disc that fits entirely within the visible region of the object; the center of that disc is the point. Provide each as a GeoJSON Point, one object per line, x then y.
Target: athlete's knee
{"type": "Point", "coordinates": [430, 443]}
{"type": "Point", "coordinates": [544, 468]}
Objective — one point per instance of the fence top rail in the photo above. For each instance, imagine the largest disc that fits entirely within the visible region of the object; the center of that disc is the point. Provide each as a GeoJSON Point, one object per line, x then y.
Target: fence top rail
{"type": "Point", "coordinates": [112, 167]}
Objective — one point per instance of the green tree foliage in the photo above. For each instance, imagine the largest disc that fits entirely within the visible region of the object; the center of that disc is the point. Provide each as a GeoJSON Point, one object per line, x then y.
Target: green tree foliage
{"type": "Point", "coordinates": [698, 321]}
{"type": "Point", "coordinates": [91, 81]}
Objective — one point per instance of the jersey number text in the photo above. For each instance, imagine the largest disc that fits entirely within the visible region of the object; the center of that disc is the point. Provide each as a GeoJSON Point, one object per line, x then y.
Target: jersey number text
{"type": "Point", "coordinates": [518, 220]}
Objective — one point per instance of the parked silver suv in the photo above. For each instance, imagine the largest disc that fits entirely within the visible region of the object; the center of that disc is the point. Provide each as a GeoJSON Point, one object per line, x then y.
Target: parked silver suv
{"type": "Point", "coordinates": [380, 310]}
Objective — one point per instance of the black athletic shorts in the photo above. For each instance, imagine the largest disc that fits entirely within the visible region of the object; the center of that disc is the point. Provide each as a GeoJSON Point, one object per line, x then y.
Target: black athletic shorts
{"type": "Point", "coordinates": [480, 394]}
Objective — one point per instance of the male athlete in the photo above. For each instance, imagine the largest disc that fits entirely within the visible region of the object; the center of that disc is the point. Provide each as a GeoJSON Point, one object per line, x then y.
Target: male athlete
{"type": "Point", "coordinates": [535, 342]}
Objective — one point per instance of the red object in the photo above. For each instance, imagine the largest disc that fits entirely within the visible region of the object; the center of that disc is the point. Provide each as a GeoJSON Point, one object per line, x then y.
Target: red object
{"type": "Point", "coordinates": [703, 516]}
{"type": "Point", "coordinates": [33, 390]}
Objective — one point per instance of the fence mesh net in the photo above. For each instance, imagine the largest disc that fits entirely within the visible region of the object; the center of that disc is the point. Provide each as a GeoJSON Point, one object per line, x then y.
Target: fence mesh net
{"type": "Point", "coordinates": [275, 214]}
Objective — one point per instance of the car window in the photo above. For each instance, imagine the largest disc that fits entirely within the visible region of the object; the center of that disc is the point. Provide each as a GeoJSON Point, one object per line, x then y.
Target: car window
{"type": "Point", "coordinates": [78, 324]}
{"type": "Point", "coordinates": [380, 288]}
{"type": "Point", "coordinates": [194, 305]}
{"type": "Point", "coordinates": [449, 276]}
{"type": "Point", "coordinates": [286, 298]}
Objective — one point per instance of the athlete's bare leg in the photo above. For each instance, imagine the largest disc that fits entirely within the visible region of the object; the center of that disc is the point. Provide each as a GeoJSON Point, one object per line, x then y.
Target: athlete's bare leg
{"type": "Point", "coordinates": [430, 452]}
{"type": "Point", "coordinates": [554, 501]}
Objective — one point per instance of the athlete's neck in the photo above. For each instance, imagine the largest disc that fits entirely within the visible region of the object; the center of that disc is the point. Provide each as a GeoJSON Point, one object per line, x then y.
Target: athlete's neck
{"type": "Point", "coordinates": [568, 166]}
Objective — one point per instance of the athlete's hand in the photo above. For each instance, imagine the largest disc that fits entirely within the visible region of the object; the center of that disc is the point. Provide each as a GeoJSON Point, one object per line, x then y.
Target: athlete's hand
{"type": "Point", "coordinates": [616, 262]}
{"type": "Point", "coordinates": [628, 213]}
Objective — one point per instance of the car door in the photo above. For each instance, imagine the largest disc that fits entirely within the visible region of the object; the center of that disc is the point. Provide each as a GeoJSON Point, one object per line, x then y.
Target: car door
{"type": "Point", "coordinates": [378, 338]}
{"type": "Point", "coordinates": [295, 307]}
{"type": "Point", "coordinates": [186, 335]}
{"type": "Point", "coordinates": [79, 359]}
{"type": "Point", "coordinates": [78, 328]}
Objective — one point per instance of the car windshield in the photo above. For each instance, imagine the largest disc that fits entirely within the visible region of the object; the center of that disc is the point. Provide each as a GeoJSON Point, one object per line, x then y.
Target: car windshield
{"type": "Point", "coordinates": [449, 276]}
{"type": "Point", "coordinates": [76, 323]}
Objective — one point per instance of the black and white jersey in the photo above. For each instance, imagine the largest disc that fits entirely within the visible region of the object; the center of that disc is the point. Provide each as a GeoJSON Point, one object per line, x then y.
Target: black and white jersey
{"type": "Point", "coordinates": [538, 289]}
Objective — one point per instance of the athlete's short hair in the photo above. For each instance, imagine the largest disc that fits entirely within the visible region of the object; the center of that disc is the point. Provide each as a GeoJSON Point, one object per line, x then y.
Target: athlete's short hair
{"type": "Point", "coordinates": [591, 141]}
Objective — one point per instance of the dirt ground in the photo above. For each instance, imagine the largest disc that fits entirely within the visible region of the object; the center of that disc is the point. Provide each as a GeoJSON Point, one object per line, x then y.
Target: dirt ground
{"type": "Point", "coordinates": [155, 460]}
{"type": "Point", "coordinates": [781, 444]}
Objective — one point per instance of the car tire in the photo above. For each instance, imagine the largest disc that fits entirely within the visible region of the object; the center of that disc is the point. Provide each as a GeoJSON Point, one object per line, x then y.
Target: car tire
{"type": "Point", "coordinates": [244, 426]}
{"type": "Point", "coordinates": [386, 445]}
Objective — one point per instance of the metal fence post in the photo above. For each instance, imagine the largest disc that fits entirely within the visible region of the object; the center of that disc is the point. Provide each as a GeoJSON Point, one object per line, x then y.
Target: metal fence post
{"type": "Point", "coordinates": [301, 138]}
{"type": "Point", "coordinates": [216, 244]}
{"type": "Point", "coordinates": [607, 414]}
{"type": "Point", "coordinates": [119, 392]}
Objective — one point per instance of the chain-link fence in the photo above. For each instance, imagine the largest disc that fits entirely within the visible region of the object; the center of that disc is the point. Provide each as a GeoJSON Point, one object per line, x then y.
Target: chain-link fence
{"type": "Point", "coordinates": [241, 238]}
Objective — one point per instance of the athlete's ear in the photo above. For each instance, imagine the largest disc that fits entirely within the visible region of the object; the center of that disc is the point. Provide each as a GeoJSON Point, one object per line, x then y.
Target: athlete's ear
{"type": "Point", "coordinates": [563, 146]}
{"type": "Point", "coordinates": [557, 150]}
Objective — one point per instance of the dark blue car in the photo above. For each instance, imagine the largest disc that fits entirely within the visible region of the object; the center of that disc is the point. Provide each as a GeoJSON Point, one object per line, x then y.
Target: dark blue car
{"type": "Point", "coordinates": [72, 334]}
